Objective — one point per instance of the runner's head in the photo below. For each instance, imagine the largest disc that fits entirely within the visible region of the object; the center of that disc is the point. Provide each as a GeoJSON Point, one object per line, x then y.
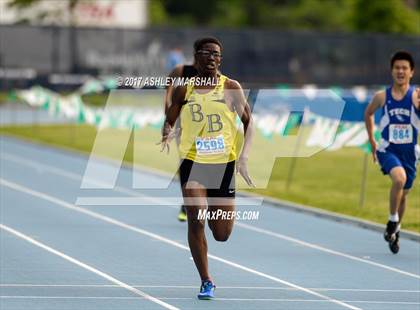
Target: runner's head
{"type": "Point", "coordinates": [402, 67]}
{"type": "Point", "coordinates": [207, 55]}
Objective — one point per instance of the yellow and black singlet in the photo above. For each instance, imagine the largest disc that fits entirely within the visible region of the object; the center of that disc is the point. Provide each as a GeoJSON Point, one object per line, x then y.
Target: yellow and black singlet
{"type": "Point", "coordinates": [208, 126]}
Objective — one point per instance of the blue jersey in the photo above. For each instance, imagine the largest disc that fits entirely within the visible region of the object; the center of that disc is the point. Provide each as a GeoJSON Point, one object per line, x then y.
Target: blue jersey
{"type": "Point", "coordinates": [400, 123]}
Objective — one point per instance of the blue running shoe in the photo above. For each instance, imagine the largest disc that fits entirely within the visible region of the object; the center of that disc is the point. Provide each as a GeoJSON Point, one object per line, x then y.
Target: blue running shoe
{"type": "Point", "coordinates": [206, 290]}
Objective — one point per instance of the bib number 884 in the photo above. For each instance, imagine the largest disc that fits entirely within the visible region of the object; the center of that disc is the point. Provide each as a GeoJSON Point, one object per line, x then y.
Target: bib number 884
{"type": "Point", "coordinates": [401, 134]}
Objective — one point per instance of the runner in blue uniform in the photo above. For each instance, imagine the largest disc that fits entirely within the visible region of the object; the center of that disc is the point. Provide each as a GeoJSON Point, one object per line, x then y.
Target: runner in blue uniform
{"type": "Point", "coordinates": [397, 151]}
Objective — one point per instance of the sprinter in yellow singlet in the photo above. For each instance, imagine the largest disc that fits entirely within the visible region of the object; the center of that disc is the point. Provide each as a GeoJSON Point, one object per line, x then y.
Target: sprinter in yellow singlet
{"type": "Point", "coordinates": [208, 151]}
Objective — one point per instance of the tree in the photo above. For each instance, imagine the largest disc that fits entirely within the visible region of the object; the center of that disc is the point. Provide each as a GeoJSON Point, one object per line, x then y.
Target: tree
{"type": "Point", "coordinates": [386, 16]}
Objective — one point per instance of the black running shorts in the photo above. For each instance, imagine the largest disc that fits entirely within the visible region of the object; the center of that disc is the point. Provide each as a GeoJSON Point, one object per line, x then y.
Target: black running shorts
{"type": "Point", "coordinates": [218, 179]}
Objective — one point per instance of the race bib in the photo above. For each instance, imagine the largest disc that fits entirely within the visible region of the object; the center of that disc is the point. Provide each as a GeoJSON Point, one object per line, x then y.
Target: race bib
{"type": "Point", "coordinates": [209, 146]}
{"type": "Point", "coordinates": [400, 134]}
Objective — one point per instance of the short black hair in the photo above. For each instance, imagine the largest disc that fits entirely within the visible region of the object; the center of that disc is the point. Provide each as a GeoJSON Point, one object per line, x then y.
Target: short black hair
{"type": "Point", "coordinates": [402, 55]}
{"type": "Point", "coordinates": [198, 44]}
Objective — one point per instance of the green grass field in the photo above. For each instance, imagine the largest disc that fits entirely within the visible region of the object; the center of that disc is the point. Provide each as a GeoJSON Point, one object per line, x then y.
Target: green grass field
{"type": "Point", "coordinates": [149, 98]}
{"type": "Point", "coordinates": [327, 180]}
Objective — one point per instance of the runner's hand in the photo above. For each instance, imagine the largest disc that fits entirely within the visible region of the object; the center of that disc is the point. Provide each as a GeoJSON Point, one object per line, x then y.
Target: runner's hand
{"type": "Point", "coordinates": [242, 169]}
{"type": "Point", "coordinates": [374, 148]}
{"type": "Point", "coordinates": [166, 140]}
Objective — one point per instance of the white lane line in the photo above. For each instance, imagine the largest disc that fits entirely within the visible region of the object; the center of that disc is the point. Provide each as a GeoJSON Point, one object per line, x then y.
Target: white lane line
{"type": "Point", "coordinates": [218, 287]}
{"type": "Point", "coordinates": [74, 176]}
{"type": "Point", "coordinates": [46, 168]}
{"type": "Point", "coordinates": [242, 225]}
{"type": "Point", "coordinates": [216, 299]}
{"type": "Point", "coordinates": [146, 201]}
{"type": "Point", "coordinates": [110, 220]}
{"type": "Point", "coordinates": [137, 198]}
{"type": "Point", "coordinates": [77, 177]}
{"type": "Point", "coordinates": [323, 249]}
{"type": "Point", "coordinates": [87, 267]}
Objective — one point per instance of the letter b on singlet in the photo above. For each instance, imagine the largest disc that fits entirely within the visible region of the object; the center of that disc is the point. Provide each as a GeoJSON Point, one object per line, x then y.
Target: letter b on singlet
{"type": "Point", "coordinates": [214, 122]}
{"type": "Point", "coordinates": [196, 114]}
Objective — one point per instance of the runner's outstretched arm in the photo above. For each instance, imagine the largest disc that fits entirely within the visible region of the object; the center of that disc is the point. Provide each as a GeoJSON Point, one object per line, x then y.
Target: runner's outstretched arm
{"type": "Point", "coordinates": [377, 102]}
{"type": "Point", "coordinates": [171, 116]}
{"type": "Point", "coordinates": [244, 111]}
